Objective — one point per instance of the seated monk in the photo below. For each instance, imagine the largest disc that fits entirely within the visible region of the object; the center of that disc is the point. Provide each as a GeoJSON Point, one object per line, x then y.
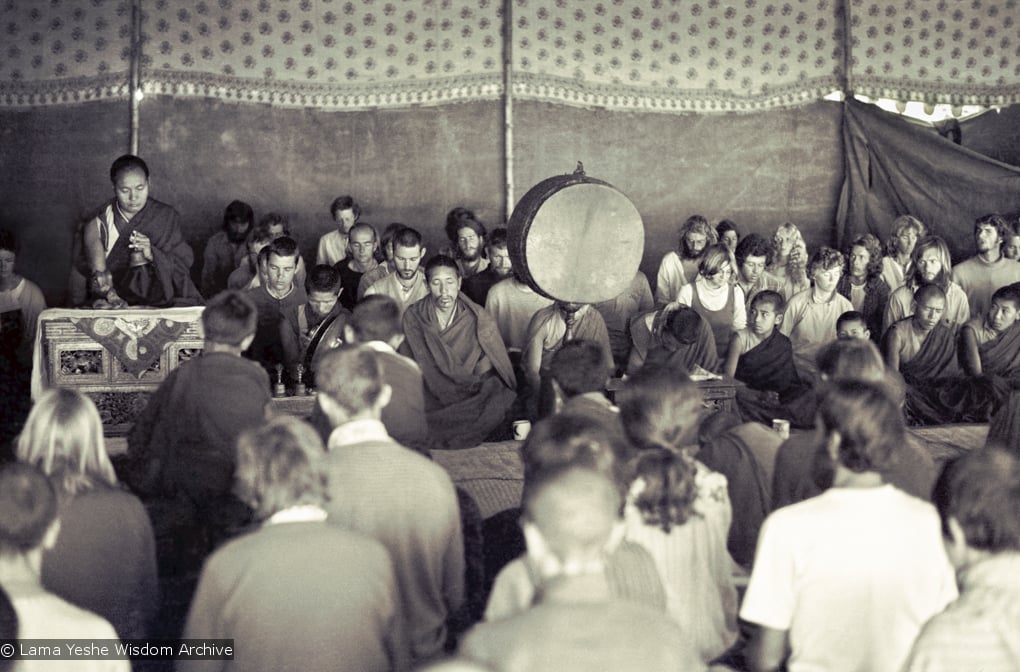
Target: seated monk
{"type": "Point", "coordinates": [923, 349]}
{"type": "Point", "coordinates": [135, 247]}
{"type": "Point", "coordinates": [469, 382]}
{"type": "Point", "coordinates": [990, 356]}
{"type": "Point", "coordinates": [320, 324]}
{"type": "Point", "coordinates": [761, 357]}
{"type": "Point", "coordinates": [675, 336]}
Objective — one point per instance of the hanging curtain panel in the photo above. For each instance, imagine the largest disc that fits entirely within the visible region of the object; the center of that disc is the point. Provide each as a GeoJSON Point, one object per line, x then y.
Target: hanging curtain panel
{"type": "Point", "coordinates": [349, 54]}
{"type": "Point", "coordinates": [665, 55]}
{"type": "Point", "coordinates": [63, 52]}
{"type": "Point", "coordinates": [677, 55]}
{"type": "Point", "coordinates": [961, 52]}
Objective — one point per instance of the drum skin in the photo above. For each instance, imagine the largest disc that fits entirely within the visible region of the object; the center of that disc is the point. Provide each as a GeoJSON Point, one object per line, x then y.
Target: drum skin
{"type": "Point", "coordinates": [576, 239]}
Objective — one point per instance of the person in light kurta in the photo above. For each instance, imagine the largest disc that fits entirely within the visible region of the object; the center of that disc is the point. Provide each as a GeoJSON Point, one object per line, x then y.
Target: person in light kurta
{"type": "Point", "coordinates": [987, 270]}
{"type": "Point", "coordinates": [135, 246]}
{"type": "Point", "coordinates": [679, 267]}
{"type": "Point", "coordinates": [931, 264]}
{"type": "Point", "coordinates": [789, 257]}
{"type": "Point", "coordinates": [844, 581]}
{"type": "Point", "coordinates": [469, 382]}
{"type": "Point", "coordinates": [978, 502]}
{"type": "Point", "coordinates": [810, 318]}
{"type": "Point", "coordinates": [406, 284]}
{"type": "Point", "coordinates": [332, 246]}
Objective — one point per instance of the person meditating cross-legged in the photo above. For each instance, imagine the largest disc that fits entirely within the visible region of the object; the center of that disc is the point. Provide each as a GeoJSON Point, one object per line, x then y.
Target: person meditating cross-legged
{"type": "Point", "coordinates": [469, 382]}
{"type": "Point", "coordinates": [922, 348]}
{"type": "Point", "coordinates": [715, 296]}
{"type": "Point", "coordinates": [134, 247]}
{"type": "Point", "coordinates": [989, 348]}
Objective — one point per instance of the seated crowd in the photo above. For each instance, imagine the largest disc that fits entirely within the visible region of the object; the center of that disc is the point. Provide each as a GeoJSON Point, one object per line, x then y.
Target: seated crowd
{"type": "Point", "coordinates": [335, 542]}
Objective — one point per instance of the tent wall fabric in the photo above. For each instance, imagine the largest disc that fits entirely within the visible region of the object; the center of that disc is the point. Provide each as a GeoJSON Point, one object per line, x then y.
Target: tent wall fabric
{"type": "Point", "coordinates": [662, 55]}
{"type": "Point", "coordinates": [895, 167]}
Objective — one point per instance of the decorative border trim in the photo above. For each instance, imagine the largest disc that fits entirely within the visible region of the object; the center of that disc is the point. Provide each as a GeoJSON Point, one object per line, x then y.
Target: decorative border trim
{"type": "Point", "coordinates": [549, 88]}
{"type": "Point", "coordinates": [411, 93]}
{"type": "Point", "coordinates": [112, 86]}
{"type": "Point", "coordinates": [937, 92]}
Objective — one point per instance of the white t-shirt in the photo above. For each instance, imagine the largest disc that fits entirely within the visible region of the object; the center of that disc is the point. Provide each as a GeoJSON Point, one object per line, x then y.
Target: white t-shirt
{"type": "Point", "coordinates": [852, 575]}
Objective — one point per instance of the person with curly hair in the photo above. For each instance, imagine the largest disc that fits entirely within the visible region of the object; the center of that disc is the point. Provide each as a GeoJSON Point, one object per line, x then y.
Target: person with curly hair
{"type": "Point", "coordinates": [811, 314]}
{"type": "Point", "coordinates": [863, 283]}
{"type": "Point", "coordinates": [789, 255]}
{"type": "Point", "coordinates": [679, 267]}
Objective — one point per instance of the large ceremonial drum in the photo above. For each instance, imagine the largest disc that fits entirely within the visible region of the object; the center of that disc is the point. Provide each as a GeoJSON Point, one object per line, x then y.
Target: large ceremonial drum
{"type": "Point", "coordinates": [575, 238]}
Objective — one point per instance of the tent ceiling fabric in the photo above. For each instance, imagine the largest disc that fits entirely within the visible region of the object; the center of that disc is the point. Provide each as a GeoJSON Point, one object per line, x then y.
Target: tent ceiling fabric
{"type": "Point", "coordinates": [666, 55]}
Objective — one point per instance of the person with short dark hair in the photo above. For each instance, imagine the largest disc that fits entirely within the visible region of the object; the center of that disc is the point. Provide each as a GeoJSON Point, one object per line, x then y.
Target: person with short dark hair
{"type": "Point", "coordinates": [989, 353]}
{"type": "Point", "coordinates": [549, 329]}
{"type": "Point", "coordinates": [406, 284]}
{"type": "Point", "coordinates": [375, 324]}
{"type": "Point", "coordinates": [253, 273]}
{"type": "Point", "coordinates": [845, 580]}
{"type": "Point", "coordinates": [134, 245]}
{"type": "Point", "coordinates": [680, 266]}
{"type": "Point", "coordinates": [559, 442]}
{"type": "Point", "coordinates": [28, 527]}
{"type": "Point", "coordinates": [332, 248]}
{"type": "Point", "coordinates": [978, 500]}
{"type": "Point", "coordinates": [320, 324]}
{"type": "Point", "coordinates": [762, 358]}
{"type": "Point", "coordinates": [21, 301]}
{"type": "Point", "coordinates": [182, 446]}
{"type": "Point", "coordinates": [105, 531]}
{"type": "Point", "coordinates": [469, 381]}
{"type": "Point", "coordinates": [569, 517]}
{"type": "Point", "coordinates": [393, 494]}
{"type": "Point", "coordinates": [988, 270]}
{"type": "Point", "coordinates": [728, 234]}
{"type": "Point", "coordinates": [802, 470]}
{"type": "Point", "coordinates": [862, 284]}
{"type": "Point", "coordinates": [675, 336]}
{"type": "Point", "coordinates": [579, 376]}
{"type": "Point", "coordinates": [277, 302]}
{"type": "Point", "coordinates": [852, 324]}
{"type": "Point", "coordinates": [499, 267]}
{"type": "Point", "coordinates": [335, 606]}
{"type": "Point", "coordinates": [226, 249]}
{"type": "Point", "coordinates": [922, 347]}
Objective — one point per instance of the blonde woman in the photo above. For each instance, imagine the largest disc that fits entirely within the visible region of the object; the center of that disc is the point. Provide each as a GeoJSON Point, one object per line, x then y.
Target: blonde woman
{"type": "Point", "coordinates": [105, 556]}
{"type": "Point", "coordinates": [789, 260]}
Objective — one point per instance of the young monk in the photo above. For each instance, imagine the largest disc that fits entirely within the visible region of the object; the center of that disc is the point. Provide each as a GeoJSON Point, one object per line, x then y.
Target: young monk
{"type": "Point", "coordinates": [923, 349]}
{"type": "Point", "coordinates": [852, 324]}
{"type": "Point", "coordinates": [990, 357]}
{"type": "Point", "coordinates": [320, 323]}
{"type": "Point", "coordinates": [761, 357]}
